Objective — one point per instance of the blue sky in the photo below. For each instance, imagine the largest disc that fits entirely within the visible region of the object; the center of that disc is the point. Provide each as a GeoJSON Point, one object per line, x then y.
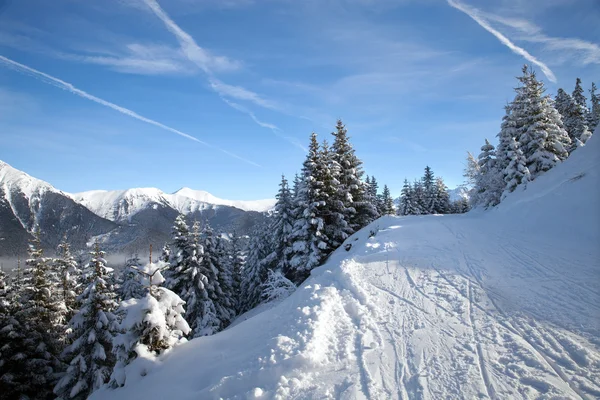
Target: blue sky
{"type": "Point", "coordinates": [222, 95]}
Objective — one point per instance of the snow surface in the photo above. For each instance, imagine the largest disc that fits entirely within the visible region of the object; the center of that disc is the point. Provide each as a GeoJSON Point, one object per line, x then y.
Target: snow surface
{"type": "Point", "coordinates": [120, 205]}
{"type": "Point", "coordinates": [498, 304]}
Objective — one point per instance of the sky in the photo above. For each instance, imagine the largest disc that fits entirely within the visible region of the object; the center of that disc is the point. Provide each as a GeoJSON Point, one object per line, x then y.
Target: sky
{"type": "Point", "coordinates": [222, 95]}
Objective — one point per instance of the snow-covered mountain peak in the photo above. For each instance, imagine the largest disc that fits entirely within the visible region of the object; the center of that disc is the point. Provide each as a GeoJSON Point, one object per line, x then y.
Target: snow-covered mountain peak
{"type": "Point", "coordinates": [246, 205]}
{"type": "Point", "coordinates": [12, 179]}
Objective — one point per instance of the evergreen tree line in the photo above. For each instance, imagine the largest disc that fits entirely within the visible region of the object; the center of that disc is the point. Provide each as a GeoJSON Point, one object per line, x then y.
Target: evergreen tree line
{"type": "Point", "coordinates": [326, 203]}
{"type": "Point", "coordinates": [429, 195]}
{"type": "Point", "coordinates": [537, 132]}
{"type": "Point", "coordinates": [68, 329]}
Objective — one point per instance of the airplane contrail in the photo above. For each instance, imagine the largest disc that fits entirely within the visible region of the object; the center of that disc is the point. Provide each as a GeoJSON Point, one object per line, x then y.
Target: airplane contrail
{"type": "Point", "coordinates": [477, 17]}
{"type": "Point", "coordinates": [203, 60]}
{"type": "Point", "coordinates": [7, 62]}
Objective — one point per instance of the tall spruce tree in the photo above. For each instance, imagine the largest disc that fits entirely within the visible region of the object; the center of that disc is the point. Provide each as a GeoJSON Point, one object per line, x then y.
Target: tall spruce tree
{"type": "Point", "coordinates": [90, 355]}
{"type": "Point", "coordinates": [490, 184]}
{"type": "Point", "coordinates": [219, 285]}
{"type": "Point", "coordinates": [69, 279]}
{"type": "Point", "coordinates": [255, 269]}
{"type": "Point", "coordinates": [516, 172]}
{"type": "Point", "coordinates": [544, 140]}
{"type": "Point", "coordinates": [359, 211]}
{"type": "Point", "coordinates": [282, 225]}
{"type": "Point", "coordinates": [594, 115]}
{"type": "Point", "coordinates": [406, 200]}
{"type": "Point", "coordinates": [429, 191]}
{"type": "Point", "coordinates": [308, 236]}
{"type": "Point", "coordinates": [387, 202]}
{"type": "Point", "coordinates": [236, 260]}
{"type": "Point", "coordinates": [442, 198]}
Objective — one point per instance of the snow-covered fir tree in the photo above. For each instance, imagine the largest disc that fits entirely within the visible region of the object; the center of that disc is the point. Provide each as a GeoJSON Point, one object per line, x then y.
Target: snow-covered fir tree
{"type": "Point", "coordinates": [193, 279]}
{"type": "Point", "coordinates": [429, 192]}
{"type": "Point", "coordinates": [387, 202]}
{"type": "Point", "coordinates": [90, 354]}
{"type": "Point", "coordinates": [310, 242]}
{"type": "Point", "coordinates": [406, 200]}
{"type": "Point", "coordinates": [359, 211]}
{"type": "Point", "coordinates": [281, 227]}
{"type": "Point", "coordinates": [332, 210]}
{"type": "Point", "coordinates": [220, 280]}
{"type": "Point", "coordinates": [442, 198]}
{"type": "Point", "coordinates": [255, 270]}
{"type": "Point", "coordinates": [236, 259]}
{"type": "Point", "coordinates": [516, 172]}
{"type": "Point", "coordinates": [508, 130]}
{"type": "Point", "coordinates": [69, 278]}
{"type": "Point", "coordinates": [130, 285]}
{"type": "Point", "coordinates": [151, 325]}
{"type": "Point", "coordinates": [544, 141]}
{"type": "Point", "coordinates": [276, 287]}
{"type": "Point", "coordinates": [594, 115]}
{"type": "Point", "coordinates": [31, 330]}
{"type": "Point", "coordinates": [489, 184]}
{"type": "Point", "coordinates": [419, 200]}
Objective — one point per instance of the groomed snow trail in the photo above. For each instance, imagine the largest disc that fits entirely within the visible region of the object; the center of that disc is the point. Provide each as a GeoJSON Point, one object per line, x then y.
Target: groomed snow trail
{"type": "Point", "coordinates": [492, 305]}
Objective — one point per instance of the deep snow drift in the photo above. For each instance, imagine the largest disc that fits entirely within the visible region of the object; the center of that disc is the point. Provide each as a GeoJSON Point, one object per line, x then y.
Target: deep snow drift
{"type": "Point", "coordinates": [496, 304]}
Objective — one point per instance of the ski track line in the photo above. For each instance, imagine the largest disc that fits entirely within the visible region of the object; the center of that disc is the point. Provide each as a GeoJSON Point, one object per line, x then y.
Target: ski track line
{"type": "Point", "coordinates": [489, 388]}
{"type": "Point", "coordinates": [540, 352]}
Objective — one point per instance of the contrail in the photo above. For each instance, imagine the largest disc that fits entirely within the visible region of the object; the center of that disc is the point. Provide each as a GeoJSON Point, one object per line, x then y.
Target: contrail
{"type": "Point", "coordinates": [70, 88]}
{"type": "Point", "coordinates": [475, 15]}
{"type": "Point", "coordinates": [203, 60]}
{"type": "Point", "coordinates": [275, 129]}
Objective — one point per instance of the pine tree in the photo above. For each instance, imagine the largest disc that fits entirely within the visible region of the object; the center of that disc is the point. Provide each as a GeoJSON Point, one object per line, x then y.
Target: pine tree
{"type": "Point", "coordinates": [429, 191]}
{"type": "Point", "coordinates": [418, 194]}
{"type": "Point", "coordinates": [387, 201]}
{"type": "Point", "coordinates": [406, 200]}
{"type": "Point", "coordinates": [237, 265]}
{"type": "Point", "coordinates": [544, 140]}
{"type": "Point", "coordinates": [335, 226]}
{"type": "Point", "coordinates": [594, 115]}
{"type": "Point", "coordinates": [69, 278]}
{"type": "Point", "coordinates": [489, 183]}
{"type": "Point", "coordinates": [359, 211]}
{"type": "Point", "coordinates": [130, 285]}
{"type": "Point", "coordinates": [220, 281]}
{"type": "Point", "coordinates": [90, 353]}
{"type": "Point", "coordinates": [255, 271]}
{"type": "Point", "coordinates": [508, 131]}
{"type": "Point", "coordinates": [276, 287]}
{"type": "Point", "coordinates": [281, 227]}
{"type": "Point", "coordinates": [152, 324]}
{"type": "Point", "coordinates": [308, 236]}
{"type": "Point", "coordinates": [516, 171]}
{"type": "Point", "coordinates": [580, 114]}
{"type": "Point", "coordinates": [442, 198]}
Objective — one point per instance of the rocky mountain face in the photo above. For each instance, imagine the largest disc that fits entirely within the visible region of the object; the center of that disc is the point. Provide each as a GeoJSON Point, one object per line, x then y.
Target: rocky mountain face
{"type": "Point", "coordinates": [122, 221]}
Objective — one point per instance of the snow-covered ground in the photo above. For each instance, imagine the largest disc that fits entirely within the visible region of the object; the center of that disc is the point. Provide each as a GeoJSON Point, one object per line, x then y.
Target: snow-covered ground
{"type": "Point", "coordinates": [496, 304]}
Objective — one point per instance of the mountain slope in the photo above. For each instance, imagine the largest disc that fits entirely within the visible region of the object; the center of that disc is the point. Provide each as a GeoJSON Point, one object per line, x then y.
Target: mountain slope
{"type": "Point", "coordinates": [125, 221]}
{"type": "Point", "coordinates": [27, 203]}
{"type": "Point", "coordinates": [498, 304]}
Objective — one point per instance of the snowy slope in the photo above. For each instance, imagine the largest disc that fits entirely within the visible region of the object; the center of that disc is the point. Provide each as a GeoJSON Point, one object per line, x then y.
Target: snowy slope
{"type": "Point", "coordinates": [121, 205]}
{"type": "Point", "coordinates": [499, 304]}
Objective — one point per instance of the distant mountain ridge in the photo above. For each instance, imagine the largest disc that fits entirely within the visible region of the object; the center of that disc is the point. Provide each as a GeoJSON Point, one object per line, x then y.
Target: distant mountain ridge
{"type": "Point", "coordinates": [122, 220]}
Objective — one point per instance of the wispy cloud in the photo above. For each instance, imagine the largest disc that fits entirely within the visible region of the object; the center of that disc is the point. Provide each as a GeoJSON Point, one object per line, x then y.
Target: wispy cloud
{"type": "Point", "coordinates": [571, 48]}
{"type": "Point", "coordinates": [207, 62]}
{"type": "Point", "coordinates": [240, 93]}
{"type": "Point", "coordinates": [479, 17]}
{"type": "Point", "coordinates": [6, 62]}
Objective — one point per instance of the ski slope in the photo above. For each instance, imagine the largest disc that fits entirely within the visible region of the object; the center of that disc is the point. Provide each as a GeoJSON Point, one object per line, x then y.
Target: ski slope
{"type": "Point", "coordinates": [496, 304]}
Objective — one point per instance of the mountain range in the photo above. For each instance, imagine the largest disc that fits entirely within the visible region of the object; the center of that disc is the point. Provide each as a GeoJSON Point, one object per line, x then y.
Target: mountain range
{"type": "Point", "coordinates": [125, 221]}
